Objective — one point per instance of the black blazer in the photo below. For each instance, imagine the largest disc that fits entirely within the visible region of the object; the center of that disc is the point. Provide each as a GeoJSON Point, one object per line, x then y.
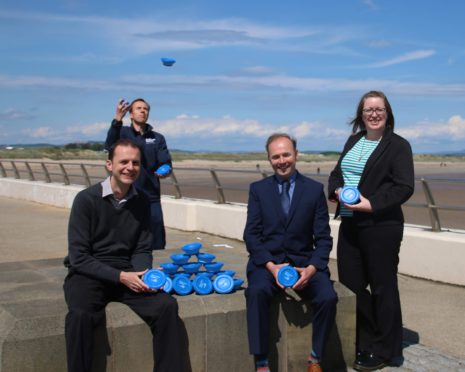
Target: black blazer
{"type": "Point", "coordinates": [387, 181]}
{"type": "Point", "coordinates": [302, 239]}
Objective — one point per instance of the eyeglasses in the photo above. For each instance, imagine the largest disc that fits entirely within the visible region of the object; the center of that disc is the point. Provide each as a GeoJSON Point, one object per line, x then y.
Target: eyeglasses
{"type": "Point", "coordinates": [369, 111]}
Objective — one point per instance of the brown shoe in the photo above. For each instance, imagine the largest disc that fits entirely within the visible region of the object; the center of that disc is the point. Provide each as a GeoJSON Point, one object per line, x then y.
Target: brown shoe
{"type": "Point", "coordinates": [314, 367]}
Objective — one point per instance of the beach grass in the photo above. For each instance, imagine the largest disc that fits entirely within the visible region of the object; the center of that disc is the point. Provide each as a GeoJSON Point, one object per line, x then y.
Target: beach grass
{"type": "Point", "coordinates": [63, 153]}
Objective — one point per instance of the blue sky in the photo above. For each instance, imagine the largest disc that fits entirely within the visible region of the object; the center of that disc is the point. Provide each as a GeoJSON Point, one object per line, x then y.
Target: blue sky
{"type": "Point", "coordinates": [244, 69]}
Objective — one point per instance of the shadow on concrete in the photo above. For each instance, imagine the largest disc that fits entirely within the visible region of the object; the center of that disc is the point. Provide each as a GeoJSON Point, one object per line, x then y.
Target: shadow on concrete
{"type": "Point", "coordinates": [184, 341]}
{"type": "Point", "coordinates": [410, 337]}
{"type": "Point", "coordinates": [291, 316]}
{"type": "Point", "coordinates": [102, 348]}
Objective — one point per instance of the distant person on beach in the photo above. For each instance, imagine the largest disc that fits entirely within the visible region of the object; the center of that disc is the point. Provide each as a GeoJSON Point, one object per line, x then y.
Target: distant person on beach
{"type": "Point", "coordinates": [154, 154]}
{"type": "Point", "coordinates": [287, 224]}
{"type": "Point", "coordinates": [380, 164]}
{"type": "Point", "coordinates": [109, 242]}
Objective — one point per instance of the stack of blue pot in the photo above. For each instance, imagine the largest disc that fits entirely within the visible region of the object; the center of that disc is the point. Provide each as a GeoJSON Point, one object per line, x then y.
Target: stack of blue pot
{"type": "Point", "coordinates": [184, 276]}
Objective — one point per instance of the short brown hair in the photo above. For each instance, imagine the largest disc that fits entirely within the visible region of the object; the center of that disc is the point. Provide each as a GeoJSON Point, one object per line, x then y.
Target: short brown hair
{"type": "Point", "coordinates": [275, 136]}
{"type": "Point", "coordinates": [138, 100]}
{"type": "Point", "coordinates": [125, 142]}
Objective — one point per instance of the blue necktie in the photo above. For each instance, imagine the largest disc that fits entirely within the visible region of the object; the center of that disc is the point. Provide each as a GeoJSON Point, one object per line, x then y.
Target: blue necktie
{"type": "Point", "coordinates": [285, 199]}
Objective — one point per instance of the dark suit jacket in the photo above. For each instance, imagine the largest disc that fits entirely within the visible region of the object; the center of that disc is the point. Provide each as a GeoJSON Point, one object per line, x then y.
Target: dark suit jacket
{"type": "Point", "coordinates": [387, 180]}
{"type": "Point", "coordinates": [303, 238]}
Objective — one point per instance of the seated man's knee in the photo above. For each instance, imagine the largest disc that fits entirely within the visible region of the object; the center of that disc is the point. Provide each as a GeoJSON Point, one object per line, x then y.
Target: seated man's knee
{"type": "Point", "coordinates": [83, 316]}
{"type": "Point", "coordinates": [167, 304]}
{"type": "Point", "coordinates": [326, 299]}
{"type": "Point", "coordinates": [258, 290]}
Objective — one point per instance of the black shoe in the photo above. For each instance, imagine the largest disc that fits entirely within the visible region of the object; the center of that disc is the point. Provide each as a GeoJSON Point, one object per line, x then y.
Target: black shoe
{"type": "Point", "coordinates": [361, 356]}
{"type": "Point", "coordinates": [368, 362]}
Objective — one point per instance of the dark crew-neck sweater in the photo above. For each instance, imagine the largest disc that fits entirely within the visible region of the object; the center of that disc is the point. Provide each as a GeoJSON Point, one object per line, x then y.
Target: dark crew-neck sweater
{"type": "Point", "coordinates": [104, 240]}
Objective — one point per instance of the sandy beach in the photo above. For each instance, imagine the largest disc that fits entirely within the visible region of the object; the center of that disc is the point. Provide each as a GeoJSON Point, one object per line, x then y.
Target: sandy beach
{"type": "Point", "coordinates": [438, 175]}
{"type": "Point", "coordinates": [421, 168]}
{"type": "Point", "coordinates": [445, 180]}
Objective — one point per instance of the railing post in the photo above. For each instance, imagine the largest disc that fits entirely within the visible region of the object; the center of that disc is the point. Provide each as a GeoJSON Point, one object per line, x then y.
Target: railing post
{"type": "Point", "coordinates": [47, 175]}
{"type": "Point", "coordinates": [262, 172]}
{"type": "Point", "coordinates": [431, 205]}
{"type": "Point", "coordinates": [65, 175]}
{"type": "Point", "coordinates": [177, 189]}
{"type": "Point", "coordinates": [3, 170]}
{"type": "Point", "coordinates": [29, 169]}
{"type": "Point", "coordinates": [86, 175]}
{"type": "Point", "coordinates": [219, 188]}
{"type": "Point", "coordinates": [17, 176]}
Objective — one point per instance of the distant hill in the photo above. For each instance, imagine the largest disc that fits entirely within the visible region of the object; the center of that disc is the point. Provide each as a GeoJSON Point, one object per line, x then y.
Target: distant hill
{"type": "Point", "coordinates": [28, 145]}
{"type": "Point", "coordinates": [219, 155]}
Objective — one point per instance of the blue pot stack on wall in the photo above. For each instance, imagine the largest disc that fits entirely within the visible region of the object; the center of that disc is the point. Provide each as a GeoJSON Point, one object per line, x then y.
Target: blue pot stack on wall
{"type": "Point", "coordinates": [193, 271]}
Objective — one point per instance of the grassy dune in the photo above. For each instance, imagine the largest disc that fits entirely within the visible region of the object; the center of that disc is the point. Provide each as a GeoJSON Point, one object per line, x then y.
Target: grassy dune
{"type": "Point", "coordinates": [60, 153]}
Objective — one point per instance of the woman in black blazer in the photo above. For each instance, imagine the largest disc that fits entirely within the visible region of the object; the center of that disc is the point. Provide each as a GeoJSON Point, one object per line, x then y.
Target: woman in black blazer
{"type": "Point", "coordinates": [380, 164]}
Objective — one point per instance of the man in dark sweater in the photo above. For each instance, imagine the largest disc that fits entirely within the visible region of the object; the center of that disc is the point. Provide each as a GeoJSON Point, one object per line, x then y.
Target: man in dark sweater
{"type": "Point", "coordinates": [154, 154]}
{"type": "Point", "coordinates": [109, 240]}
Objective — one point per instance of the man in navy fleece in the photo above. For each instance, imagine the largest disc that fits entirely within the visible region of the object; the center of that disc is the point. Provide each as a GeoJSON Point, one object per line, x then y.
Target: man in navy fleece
{"type": "Point", "coordinates": [109, 240]}
{"type": "Point", "coordinates": [154, 154]}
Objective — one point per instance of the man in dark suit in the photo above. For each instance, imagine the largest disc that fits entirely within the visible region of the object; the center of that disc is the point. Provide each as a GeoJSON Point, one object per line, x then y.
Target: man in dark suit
{"type": "Point", "coordinates": [287, 224]}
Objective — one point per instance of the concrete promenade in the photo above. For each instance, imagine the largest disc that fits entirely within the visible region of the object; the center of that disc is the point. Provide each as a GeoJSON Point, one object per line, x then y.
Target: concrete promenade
{"type": "Point", "coordinates": [433, 312]}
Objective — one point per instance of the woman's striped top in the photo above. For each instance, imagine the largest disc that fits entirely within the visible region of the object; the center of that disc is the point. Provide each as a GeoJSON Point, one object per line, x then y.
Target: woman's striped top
{"type": "Point", "coordinates": [352, 166]}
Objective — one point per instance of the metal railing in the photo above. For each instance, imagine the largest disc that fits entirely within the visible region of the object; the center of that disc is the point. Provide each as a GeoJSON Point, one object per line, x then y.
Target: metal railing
{"type": "Point", "coordinates": [239, 179]}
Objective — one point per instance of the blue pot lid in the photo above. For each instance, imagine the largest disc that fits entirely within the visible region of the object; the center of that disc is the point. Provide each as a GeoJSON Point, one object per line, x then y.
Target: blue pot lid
{"type": "Point", "coordinates": [206, 257]}
{"type": "Point", "coordinates": [192, 267]}
{"type": "Point", "coordinates": [238, 283]}
{"type": "Point", "coordinates": [169, 267]}
{"type": "Point", "coordinates": [213, 266]}
{"type": "Point", "coordinates": [182, 285]}
{"type": "Point", "coordinates": [349, 195]}
{"type": "Point", "coordinates": [155, 279]}
{"type": "Point", "coordinates": [168, 287]}
{"type": "Point", "coordinates": [164, 169]}
{"type": "Point", "coordinates": [168, 61]}
{"type": "Point", "coordinates": [287, 276]}
{"type": "Point", "coordinates": [203, 285]}
{"type": "Point", "coordinates": [208, 274]}
{"type": "Point", "coordinates": [223, 284]}
{"type": "Point", "coordinates": [192, 248]}
{"type": "Point", "coordinates": [180, 258]}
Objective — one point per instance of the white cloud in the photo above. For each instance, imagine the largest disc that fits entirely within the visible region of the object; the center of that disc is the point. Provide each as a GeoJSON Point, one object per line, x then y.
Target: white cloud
{"type": "Point", "coordinates": [15, 114]}
{"type": "Point", "coordinates": [450, 131]}
{"type": "Point", "coordinates": [370, 4]}
{"type": "Point", "coordinates": [88, 130]}
{"type": "Point", "coordinates": [227, 126]}
{"type": "Point", "coordinates": [41, 132]}
{"type": "Point", "coordinates": [380, 44]}
{"type": "Point", "coordinates": [407, 57]}
{"type": "Point", "coordinates": [148, 33]}
{"type": "Point", "coordinates": [78, 132]}
{"type": "Point", "coordinates": [238, 83]}
{"type": "Point", "coordinates": [258, 70]}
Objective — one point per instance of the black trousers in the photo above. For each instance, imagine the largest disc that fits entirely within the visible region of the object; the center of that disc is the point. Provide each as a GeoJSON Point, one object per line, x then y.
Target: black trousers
{"type": "Point", "coordinates": [259, 293]}
{"type": "Point", "coordinates": [367, 259]}
{"type": "Point", "coordinates": [158, 226]}
{"type": "Point", "coordinates": [86, 299]}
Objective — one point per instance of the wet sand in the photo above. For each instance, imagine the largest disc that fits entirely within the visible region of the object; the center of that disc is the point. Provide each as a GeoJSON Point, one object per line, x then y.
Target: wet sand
{"type": "Point", "coordinates": [199, 184]}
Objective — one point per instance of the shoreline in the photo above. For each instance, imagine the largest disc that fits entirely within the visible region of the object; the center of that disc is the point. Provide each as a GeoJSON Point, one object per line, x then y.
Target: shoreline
{"type": "Point", "coordinates": [421, 167]}
{"type": "Point", "coordinates": [454, 169]}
